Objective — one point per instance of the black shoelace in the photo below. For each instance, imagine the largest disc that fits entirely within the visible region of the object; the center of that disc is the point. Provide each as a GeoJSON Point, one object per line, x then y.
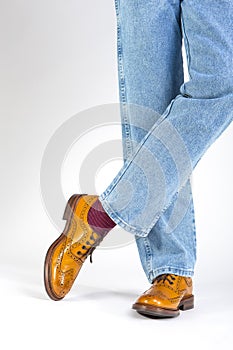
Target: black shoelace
{"type": "Point", "coordinates": [90, 247]}
{"type": "Point", "coordinates": [166, 278]}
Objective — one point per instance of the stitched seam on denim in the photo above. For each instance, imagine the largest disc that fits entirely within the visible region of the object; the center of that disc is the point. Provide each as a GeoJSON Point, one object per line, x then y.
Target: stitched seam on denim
{"type": "Point", "coordinates": [148, 253]}
{"type": "Point", "coordinates": [122, 85]}
{"type": "Point", "coordinates": [194, 229]}
{"type": "Point", "coordinates": [173, 267]}
{"type": "Point", "coordinates": [170, 269]}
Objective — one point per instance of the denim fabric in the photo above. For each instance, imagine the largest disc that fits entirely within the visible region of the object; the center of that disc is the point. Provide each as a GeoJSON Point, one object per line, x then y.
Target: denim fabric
{"type": "Point", "coordinates": [147, 79]}
{"type": "Point", "coordinates": [161, 152]}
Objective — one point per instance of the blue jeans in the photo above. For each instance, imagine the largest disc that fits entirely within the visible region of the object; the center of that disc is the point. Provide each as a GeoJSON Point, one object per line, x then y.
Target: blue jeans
{"type": "Point", "coordinates": [168, 124]}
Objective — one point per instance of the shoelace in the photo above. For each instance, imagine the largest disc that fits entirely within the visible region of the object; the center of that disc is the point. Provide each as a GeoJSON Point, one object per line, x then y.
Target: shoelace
{"type": "Point", "coordinates": [165, 277]}
{"type": "Point", "coordinates": [89, 250]}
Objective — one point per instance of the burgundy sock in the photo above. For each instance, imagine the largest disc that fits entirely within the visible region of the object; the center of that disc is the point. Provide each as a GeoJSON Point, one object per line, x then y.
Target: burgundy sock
{"type": "Point", "coordinates": [98, 219]}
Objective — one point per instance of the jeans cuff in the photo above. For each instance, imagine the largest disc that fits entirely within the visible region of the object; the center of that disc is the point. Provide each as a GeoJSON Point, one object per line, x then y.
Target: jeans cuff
{"type": "Point", "coordinates": [118, 220]}
{"type": "Point", "coordinates": [169, 269]}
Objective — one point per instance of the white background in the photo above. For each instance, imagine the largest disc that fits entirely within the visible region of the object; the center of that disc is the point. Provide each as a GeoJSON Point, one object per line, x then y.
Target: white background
{"type": "Point", "coordinates": [58, 58]}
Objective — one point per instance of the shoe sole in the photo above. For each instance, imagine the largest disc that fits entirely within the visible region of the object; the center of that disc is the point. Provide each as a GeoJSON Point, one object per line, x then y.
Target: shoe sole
{"type": "Point", "coordinates": [68, 214]}
{"type": "Point", "coordinates": [156, 312]}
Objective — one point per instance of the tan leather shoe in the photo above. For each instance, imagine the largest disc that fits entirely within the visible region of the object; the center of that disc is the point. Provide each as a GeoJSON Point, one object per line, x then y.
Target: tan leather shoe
{"type": "Point", "coordinates": [168, 294]}
{"type": "Point", "coordinates": [67, 254]}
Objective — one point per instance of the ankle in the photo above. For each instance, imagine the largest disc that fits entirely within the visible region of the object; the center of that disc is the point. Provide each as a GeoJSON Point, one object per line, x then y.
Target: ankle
{"type": "Point", "coordinates": [99, 220]}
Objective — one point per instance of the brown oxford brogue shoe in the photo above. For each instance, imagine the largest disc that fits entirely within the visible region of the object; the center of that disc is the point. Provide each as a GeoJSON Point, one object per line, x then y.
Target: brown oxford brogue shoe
{"type": "Point", "coordinates": [67, 254]}
{"type": "Point", "coordinates": [168, 294]}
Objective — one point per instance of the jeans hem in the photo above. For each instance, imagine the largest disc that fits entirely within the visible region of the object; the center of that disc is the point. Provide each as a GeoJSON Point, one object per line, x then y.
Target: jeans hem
{"type": "Point", "coordinates": [118, 220]}
{"type": "Point", "coordinates": [169, 269]}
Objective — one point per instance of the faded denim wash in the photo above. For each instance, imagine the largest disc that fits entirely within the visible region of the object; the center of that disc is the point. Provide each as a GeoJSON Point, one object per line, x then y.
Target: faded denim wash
{"type": "Point", "coordinates": [167, 125]}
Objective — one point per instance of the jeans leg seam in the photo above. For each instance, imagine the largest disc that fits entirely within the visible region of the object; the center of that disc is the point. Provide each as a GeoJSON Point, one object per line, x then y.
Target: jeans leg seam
{"type": "Point", "coordinates": [122, 86]}
{"type": "Point", "coordinates": [194, 234]}
{"type": "Point", "coordinates": [148, 254]}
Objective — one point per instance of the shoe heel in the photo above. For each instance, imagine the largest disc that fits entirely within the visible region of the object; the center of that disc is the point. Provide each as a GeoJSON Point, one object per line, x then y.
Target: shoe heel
{"type": "Point", "coordinates": [70, 206]}
{"type": "Point", "coordinates": [187, 304]}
